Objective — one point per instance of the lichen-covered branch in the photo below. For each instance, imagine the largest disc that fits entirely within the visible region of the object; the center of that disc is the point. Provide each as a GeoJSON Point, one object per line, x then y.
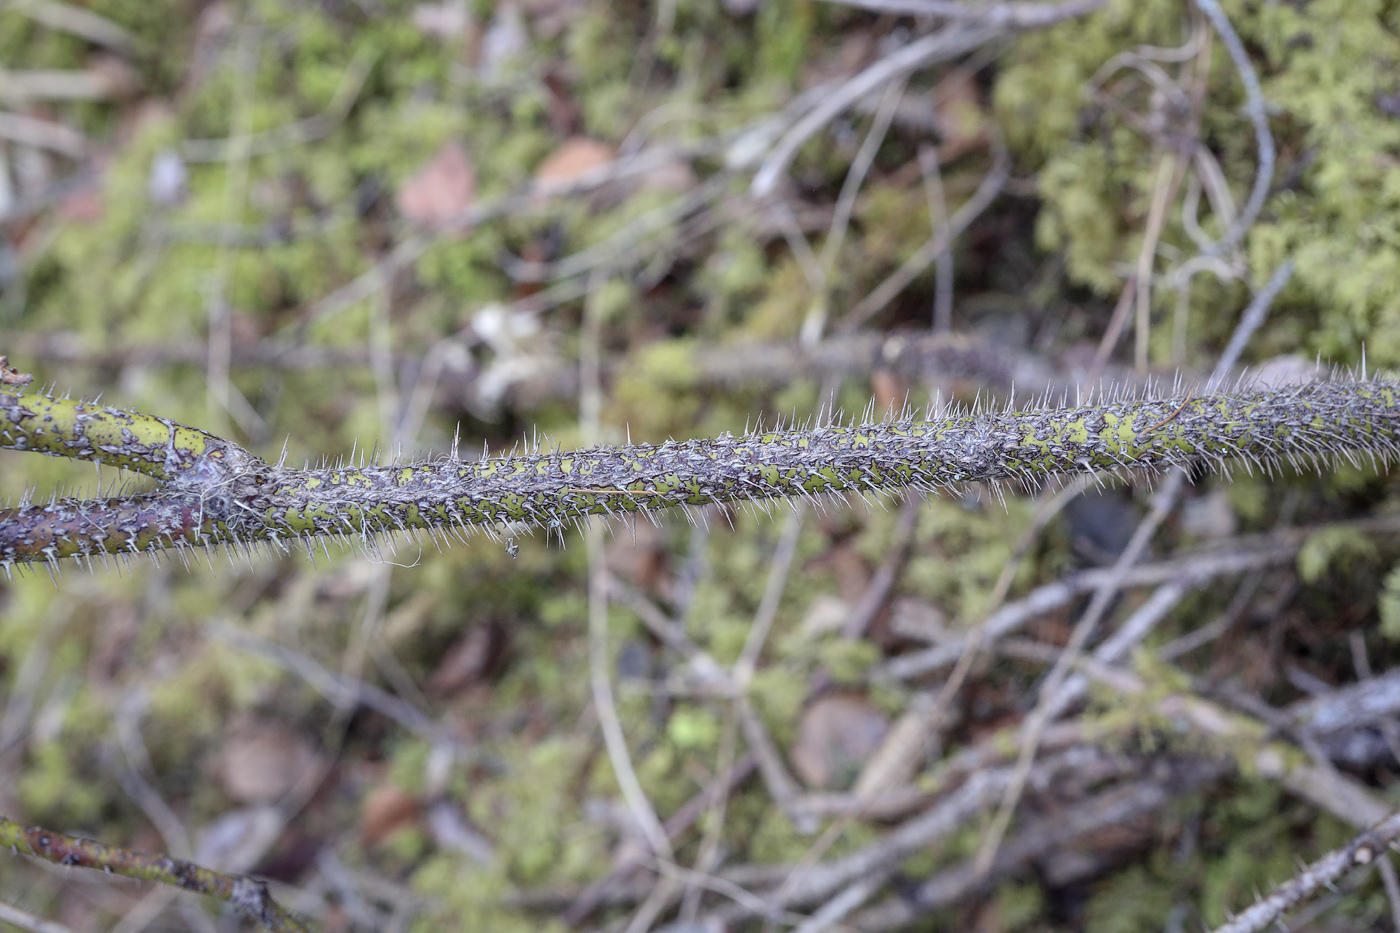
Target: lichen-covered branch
{"type": "Point", "coordinates": [250, 897]}
{"type": "Point", "coordinates": [215, 493]}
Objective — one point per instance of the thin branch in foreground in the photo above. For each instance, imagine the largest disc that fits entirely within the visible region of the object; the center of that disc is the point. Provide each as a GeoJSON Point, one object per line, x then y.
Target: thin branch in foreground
{"type": "Point", "coordinates": [1322, 874]}
{"type": "Point", "coordinates": [247, 895]}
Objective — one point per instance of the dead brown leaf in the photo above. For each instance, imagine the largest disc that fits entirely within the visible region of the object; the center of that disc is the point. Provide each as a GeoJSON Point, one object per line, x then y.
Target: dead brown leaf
{"type": "Point", "coordinates": [262, 762]}
{"type": "Point", "coordinates": [836, 735]}
{"type": "Point", "coordinates": [574, 159]}
{"type": "Point", "coordinates": [441, 190]}
{"type": "Point", "coordinates": [468, 661]}
{"type": "Point", "coordinates": [386, 809]}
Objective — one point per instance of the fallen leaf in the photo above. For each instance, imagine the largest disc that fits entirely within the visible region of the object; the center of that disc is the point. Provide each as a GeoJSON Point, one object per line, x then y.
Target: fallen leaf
{"type": "Point", "coordinates": [835, 737]}
{"type": "Point", "coordinates": [441, 190]}
{"type": "Point", "coordinates": [386, 809]}
{"type": "Point", "coordinates": [825, 616]}
{"type": "Point", "coordinates": [262, 762]}
{"type": "Point", "coordinates": [573, 159]}
{"type": "Point", "coordinates": [917, 620]}
{"type": "Point", "coordinates": [468, 661]}
{"type": "Point", "coordinates": [449, 19]}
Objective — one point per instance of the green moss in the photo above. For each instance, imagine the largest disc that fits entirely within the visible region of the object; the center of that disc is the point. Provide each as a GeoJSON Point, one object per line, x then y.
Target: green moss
{"type": "Point", "coordinates": [779, 314]}
{"type": "Point", "coordinates": [1132, 901]}
{"type": "Point", "coordinates": [1337, 220]}
{"type": "Point", "coordinates": [959, 551]}
{"type": "Point", "coordinates": [472, 898]}
{"type": "Point", "coordinates": [693, 729]}
{"type": "Point", "coordinates": [1244, 852]}
{"type": "Point", "coordinates": [1019, 906]}
{"type": "Point", "coordinates": [1330, 548]}
{"type": "Point", "coordinates": [654, 394]}
{"type": "Point", "coordinates": [778, 693]}
{"type": "Point", "coordinates": [53, 790]}
{"type": "Point", "coordinates": [533, 820]}
{"type": "Point", "coordinates": [848, 661]}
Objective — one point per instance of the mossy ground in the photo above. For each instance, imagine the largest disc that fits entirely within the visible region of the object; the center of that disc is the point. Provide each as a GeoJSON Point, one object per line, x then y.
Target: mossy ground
{"type": "Point", "coordinates": [256, 246]}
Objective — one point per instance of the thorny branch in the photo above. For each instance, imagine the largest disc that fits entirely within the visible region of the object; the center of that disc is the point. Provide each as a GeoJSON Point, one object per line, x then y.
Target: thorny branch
{"type": "Point", "coordinates": [212, 492]}
{"type": "Point", "coordinates": [226, 495]}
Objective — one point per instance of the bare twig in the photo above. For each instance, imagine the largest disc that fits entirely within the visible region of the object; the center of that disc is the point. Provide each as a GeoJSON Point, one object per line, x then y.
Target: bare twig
{"type": "Point", "coordinates": [939, 46]}
{"type": "Point", "coordinates": [933, 825]}
{"type": "Point", "coordinates": [343, 691]}
{"type": "Point", "coordinates": [599, 661]}
{"type": "Point", "coordinates": [1255, 108]}
{"type": "Point", "coordinates": [938, 215]}
{"type": "Point", "coordinates": [1019, 14]}
{"type": "Point", "coordinates": [1392, 888]}
{"type": "Point", "coordinates": [43, 134]}
{"type": "Point", "coordinates": [767, 611]}
{"type": "Point", "coordinates": [913, 267]}
{"type": "Point", "coordinates": [78, 21]}
{"type": "Point", "coordinates": [675, 825]}
{"type": "Point", "coordinates": [22, 87]}
{"type": "Point", "coordinates": [1238, 556]}
{"type": "Point", "coordinates": [1114, 808]}
{"type": "Point", "coordinates": [855, 175]}
{"type": "Point", "coordinates": [28, 922]}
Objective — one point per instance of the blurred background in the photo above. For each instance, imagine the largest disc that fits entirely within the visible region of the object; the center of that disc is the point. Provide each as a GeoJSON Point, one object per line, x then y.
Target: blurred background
{"type": "Point", "coordinates": [354, 228]}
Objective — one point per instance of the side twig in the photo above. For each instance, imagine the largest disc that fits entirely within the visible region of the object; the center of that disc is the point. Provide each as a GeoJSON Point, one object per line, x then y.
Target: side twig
{"type": "Point", "coordinates": [1362, 851]}
{"type": "Point", "coordinates": [249, 896]}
